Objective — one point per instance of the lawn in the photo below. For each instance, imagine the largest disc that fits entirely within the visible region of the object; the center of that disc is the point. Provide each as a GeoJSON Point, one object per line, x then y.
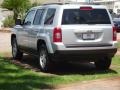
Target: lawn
{"type": "Point", "coordinates": [14, 77]}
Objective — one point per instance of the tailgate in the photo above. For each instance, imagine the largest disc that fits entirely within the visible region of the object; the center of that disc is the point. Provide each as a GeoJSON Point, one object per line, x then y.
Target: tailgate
{"type": "Point", "coordinates": [87, 35]}
{"type": "Point", "coordinates": [87, 27]}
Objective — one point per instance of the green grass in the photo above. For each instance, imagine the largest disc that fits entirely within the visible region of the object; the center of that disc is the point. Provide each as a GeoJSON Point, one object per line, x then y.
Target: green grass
{"type": "Point", "coordinates": [14, 77]}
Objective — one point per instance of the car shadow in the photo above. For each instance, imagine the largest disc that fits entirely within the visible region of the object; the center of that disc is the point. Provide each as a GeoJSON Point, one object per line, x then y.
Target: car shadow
{"type": "Point", "coordinates": [30, 62]}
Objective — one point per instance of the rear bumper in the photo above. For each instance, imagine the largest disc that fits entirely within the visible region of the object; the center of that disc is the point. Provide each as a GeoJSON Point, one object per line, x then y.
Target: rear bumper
{"type": "Point", "coordinates": [84, 54]}
{"type": "Point", "coordinates": [79, 52]}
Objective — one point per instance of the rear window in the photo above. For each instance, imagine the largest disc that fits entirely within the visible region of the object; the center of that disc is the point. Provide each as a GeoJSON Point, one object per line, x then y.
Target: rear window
{"type": "Point", "coordinates": [77, 16]}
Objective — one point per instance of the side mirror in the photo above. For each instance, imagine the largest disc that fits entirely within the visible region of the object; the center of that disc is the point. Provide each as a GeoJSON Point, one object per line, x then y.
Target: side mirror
{"type": "Point", "coordinates": [18, 22]}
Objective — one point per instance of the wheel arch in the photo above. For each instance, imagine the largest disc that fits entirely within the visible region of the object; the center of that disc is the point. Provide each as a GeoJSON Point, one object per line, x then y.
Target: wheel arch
{"type": "Point", "coordinates": [40, 42]}
{"type": "Point", "coordinates": [12, 36]}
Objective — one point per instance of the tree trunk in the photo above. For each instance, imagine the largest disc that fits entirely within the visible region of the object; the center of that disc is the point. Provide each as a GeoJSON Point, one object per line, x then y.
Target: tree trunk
{"type": "Point", "coordinates": [15, 15]}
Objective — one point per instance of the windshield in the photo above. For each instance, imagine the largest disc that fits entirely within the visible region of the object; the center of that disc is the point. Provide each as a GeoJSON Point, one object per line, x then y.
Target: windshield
{"type": "Point", "coordinates": [77, 16]}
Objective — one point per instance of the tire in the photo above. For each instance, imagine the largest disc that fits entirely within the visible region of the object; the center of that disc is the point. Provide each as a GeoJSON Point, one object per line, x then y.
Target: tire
{"type": "Point", "coordinates": [45, 62]}
{"type": "Point", "coordinates": [103, 64]}
{"type": "Point", "coordinates": [15, 51]}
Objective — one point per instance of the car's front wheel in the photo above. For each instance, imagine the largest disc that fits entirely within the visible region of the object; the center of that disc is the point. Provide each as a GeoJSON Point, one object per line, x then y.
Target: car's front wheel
{"type": "Point", "coordinates": [16, 53]}
{"type": "Point", "coordinates": [44, 59]}
{"type": "Point", "coordinates": [103, 63]}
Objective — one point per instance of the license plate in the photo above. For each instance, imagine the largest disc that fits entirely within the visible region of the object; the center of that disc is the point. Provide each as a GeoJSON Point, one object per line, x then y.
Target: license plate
{"type": "Point", "coordinates": [88, 36]}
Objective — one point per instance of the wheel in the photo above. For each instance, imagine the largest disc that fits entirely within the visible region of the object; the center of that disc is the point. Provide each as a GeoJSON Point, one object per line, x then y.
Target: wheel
{"type": "Point", "coordinates": [15, 51]}
{"type": "Point", "coordinates": [45, 62]}
{"type": "Point", "coordinates": [103, 64]}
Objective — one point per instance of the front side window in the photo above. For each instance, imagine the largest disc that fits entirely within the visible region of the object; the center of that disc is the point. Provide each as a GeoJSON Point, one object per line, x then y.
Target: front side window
{"type": "Point", "coordinates": [38, 17]}
{"type": "Point", "coordinates": [29, 18]}
{"type": "Point", "coordinates": [77, 16]}
{"type": "Point", "coordinates": [49, 17]}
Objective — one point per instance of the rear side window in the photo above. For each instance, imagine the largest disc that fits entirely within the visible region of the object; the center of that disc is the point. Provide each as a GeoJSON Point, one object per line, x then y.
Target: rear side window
{"type": "Point", "coordinates": [38, 17]}
{"type": "Point", "coordinates": [50, 16]}
{"type": "Point", "coordinates": [77, 16]}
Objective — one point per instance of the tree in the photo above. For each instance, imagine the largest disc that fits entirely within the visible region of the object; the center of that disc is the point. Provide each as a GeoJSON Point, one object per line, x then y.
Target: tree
{"type": "Point", "coordinates": [17, 6]}
{"type": "Point", "coordinates": [34, 4]}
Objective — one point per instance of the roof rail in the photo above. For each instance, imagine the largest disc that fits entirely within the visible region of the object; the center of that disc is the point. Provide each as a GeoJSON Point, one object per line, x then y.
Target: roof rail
{"type": "Point", "coordinates": [71, 3]}
{"type": "Point", "coordinates": [62, 3]}
{"type": "Point", "coordinates": [53, 3]}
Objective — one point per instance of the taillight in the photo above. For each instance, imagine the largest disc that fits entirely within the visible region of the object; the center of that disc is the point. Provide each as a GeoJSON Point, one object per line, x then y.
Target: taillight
{"type": "Point", "coordinates": [57, 35]}
{"type": "Point", "coordinates": [86, 8]}
{"type": "Point", "coordinates": [114, 33]}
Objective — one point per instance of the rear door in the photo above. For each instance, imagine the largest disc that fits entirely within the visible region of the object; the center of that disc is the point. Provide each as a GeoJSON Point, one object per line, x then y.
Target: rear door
{"type": "Point", "coordinates": [37, 28]}
{"type": "Point", "coordinates": [86, 27]}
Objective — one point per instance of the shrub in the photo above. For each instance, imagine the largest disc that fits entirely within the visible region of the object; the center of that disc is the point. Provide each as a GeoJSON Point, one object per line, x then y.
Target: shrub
{"type": "Point", "coordinates": [9, 22]}
{"type": "Point", "coordinates": [18, 6]}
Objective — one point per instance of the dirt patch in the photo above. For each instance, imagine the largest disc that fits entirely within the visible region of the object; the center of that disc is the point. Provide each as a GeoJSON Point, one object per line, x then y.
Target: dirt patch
{"type": "Point", "coordinates": [6, 30]}
{"type": "Point", "coordinates": [5, 42]}
{"type": "Point", "coordinates": [103, 84]}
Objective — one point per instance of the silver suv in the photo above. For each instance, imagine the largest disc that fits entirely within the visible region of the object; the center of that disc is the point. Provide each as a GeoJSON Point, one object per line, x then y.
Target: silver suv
{"type": "Point", "coordinates": [65, 32]}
